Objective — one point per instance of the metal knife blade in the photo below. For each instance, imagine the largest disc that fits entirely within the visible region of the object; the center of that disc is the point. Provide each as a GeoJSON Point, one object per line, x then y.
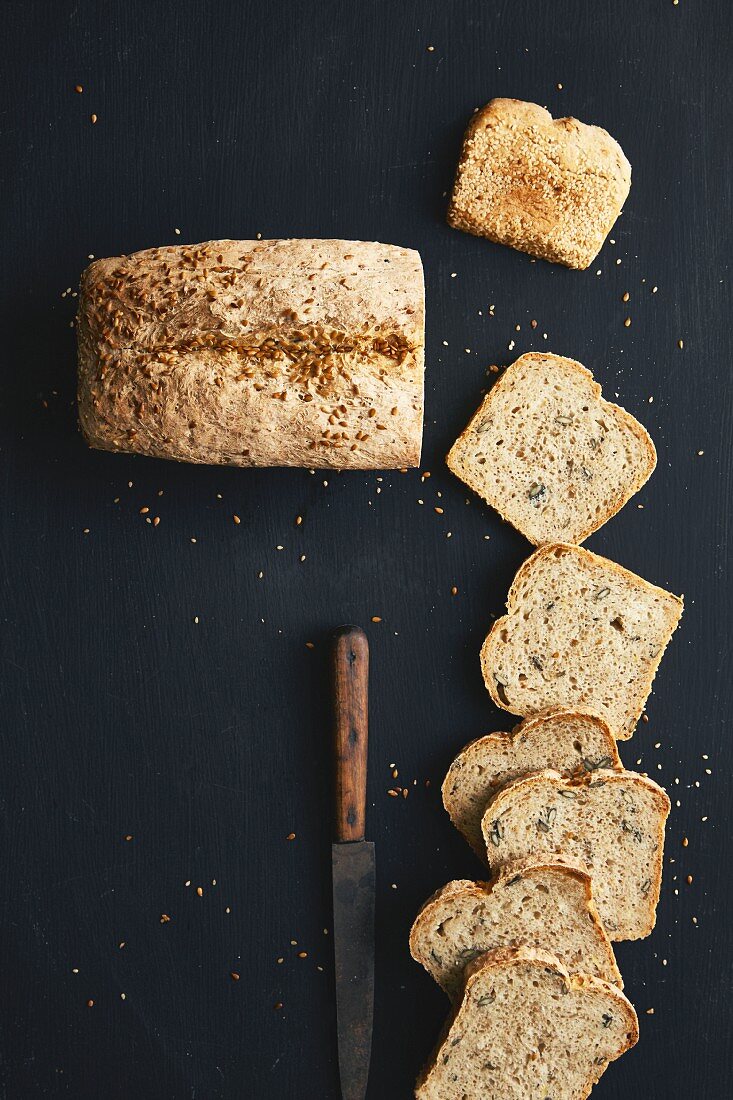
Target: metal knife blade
{"type": "Point", "coordinates": [353, 929]}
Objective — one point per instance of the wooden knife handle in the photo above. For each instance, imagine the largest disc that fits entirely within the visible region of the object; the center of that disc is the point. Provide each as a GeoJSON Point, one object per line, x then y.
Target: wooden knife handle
{"type": "Point", "coordinates": [351, 728]}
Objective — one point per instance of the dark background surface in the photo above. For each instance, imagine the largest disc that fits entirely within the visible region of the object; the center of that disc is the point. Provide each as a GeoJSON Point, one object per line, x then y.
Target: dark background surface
{"type": "Point", "coordinates": [207, 743]}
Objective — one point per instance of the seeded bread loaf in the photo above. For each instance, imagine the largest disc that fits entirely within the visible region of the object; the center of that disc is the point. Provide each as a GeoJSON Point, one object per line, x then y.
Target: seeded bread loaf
{"type": "Point", "coordinates": [581, 632]}
{"type": "Point", "coordinates": [526, 1028]}
{"type": "Point", "coordinates": [527, 904]}
{"type": "Point", "coordinates": [550, 187]}
{"type": "Point", "coordinates": [549, 453]}
{"type": "Point", "coordinates": [256, 353]}
{"type": "Point", "coordinates": [610, 823]}
{"type": "Point", "coordinates": [569, 742]}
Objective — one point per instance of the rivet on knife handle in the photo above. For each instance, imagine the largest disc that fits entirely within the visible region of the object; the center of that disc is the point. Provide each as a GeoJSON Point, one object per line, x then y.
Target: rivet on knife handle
{"type": "Point", "coordinates": [351, 726]}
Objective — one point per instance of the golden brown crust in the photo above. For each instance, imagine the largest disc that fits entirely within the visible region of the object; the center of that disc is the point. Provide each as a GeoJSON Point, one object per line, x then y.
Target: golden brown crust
{"type": "Point", "coordinates": [549, 187]}
{"type": "Point", "coordinates": [618, 493]}
{"type": "Point", "coordinates": [673, 603]}
{"type": "Point", "coordinates": [256, 353]}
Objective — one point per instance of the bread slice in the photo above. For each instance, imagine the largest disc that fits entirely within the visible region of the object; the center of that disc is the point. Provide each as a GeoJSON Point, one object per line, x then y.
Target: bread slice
{"type": "Point", "coordinates": [525, 1028]}
{"type": "Point", "coordinates": [528, 904]}
{"type": "Point", "coordinates": [580, 632]}
{"type": "Point", "coordinates": [610, 823]}
{"type": "Point", "coordinates": [549, 453]}
{"type": "Point", "coordinates": [550, 187]}
{"type": "Point", "coordinates": [568, 741]}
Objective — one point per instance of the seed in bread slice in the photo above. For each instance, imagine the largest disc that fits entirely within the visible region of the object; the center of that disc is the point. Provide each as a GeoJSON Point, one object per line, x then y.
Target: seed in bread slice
{"type": "Point", "coordinates": [581, 632]}
{"type": "Point", "coordinates": [532, 904]}
{"type": "Point", "coordinates": [549, 454]}
{"type": "Point", "coordinates": [567, 741]}
{"type": "Point", "coordinates": [526, 1028]}
{"type": "Point", "coordinates": [611, 823]}
{"type": "Point", "coordinates": [550, 187]}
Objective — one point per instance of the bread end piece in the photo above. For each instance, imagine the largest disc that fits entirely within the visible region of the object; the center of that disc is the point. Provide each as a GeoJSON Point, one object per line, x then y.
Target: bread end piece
{"type": "Point", "coordinates": [549, 187]}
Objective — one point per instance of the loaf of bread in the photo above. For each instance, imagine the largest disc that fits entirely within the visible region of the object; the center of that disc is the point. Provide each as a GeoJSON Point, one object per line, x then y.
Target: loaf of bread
{"type": "Point", "coordinates": [569, 742]}
{"type": "Point", "coordinates": [256, 353]}
{"type": "Point", "coordinates": [611, 823]}
{"type": "Point", "coordinates": [526, 1028]}
{"type": "Point", "coordinates": [532, 904]}
{"type": "Point", "coordinates": [549, 453]}
{"type": "Point", "coordinates": [550, 187]}
{"type": "Point", "coordinates": [579, 632]}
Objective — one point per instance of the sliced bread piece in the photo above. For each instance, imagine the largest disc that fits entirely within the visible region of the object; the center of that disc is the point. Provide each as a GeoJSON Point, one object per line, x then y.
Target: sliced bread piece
{"type": "Point", "coordinates": [580, 632]}
{"type": "Point", "coordinates": [610, 823]}
{"type": "Point", "coordinates": [550, 187]}
{"type": "Point", "coordinates": [567, 741]}
{"type": "Point", "coordinates": [549, 453]}
{"type": "Point", "coordinates": [525, 1028]}
{"type": "Point", "coordinates": [528, 904]}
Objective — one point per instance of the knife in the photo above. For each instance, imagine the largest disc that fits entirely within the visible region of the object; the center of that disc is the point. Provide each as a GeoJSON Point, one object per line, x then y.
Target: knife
{"type": "Point", "coordinates": [353, 863]}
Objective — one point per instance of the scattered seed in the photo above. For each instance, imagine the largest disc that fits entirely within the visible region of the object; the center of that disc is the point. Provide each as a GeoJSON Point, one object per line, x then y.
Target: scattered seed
{"type": "Point", "coordinates": [627, 322]}
{"type": "Point", "coordinates": [164, 918]}
{"type": "Point", "coordinates": [93, 119]}
{"type": "Point", "coordinates": [290, 836]}
{"type": "Point", "coordinates": [234, 976]}
{"type": "Point", "coordinates": [376, 619]}
{"type": "Point", "coordinates": [236, 519]}
{"type": "Point", "coordinates": [78, 89]}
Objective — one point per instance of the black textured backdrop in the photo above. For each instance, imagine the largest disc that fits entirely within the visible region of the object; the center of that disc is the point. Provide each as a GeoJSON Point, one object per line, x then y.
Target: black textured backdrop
{"type": "Point", "coordinates": [207, 742]}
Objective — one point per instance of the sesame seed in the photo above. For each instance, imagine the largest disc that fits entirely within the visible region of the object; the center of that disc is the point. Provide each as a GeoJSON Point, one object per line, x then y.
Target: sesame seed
{"type": "Point", "coordinates": [93, 119]}
{"type": "Point", "coordinates": [78, 89]}
{"type": "Point", "coordinates": [200, 891]}
{"type": "Point", "coordinates": [290, 836]}
{"type": "Point", "coordinates": [236, 519]}
{"type": "Point", "coordinates": [234, 976]}
{"type": "Point", "coordinates": [680, 344]}
{"type": "Point", "coordinates": [90, 1004]}
{"type": "Point", "coordinates": [376, 619]}
{"type": "Point", "coordinates": [627, 322]}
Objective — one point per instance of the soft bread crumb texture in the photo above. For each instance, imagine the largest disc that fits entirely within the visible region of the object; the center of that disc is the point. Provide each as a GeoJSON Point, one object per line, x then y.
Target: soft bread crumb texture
{"type": "Point", "coordinates": [549, 187]}
{"type": "Point", "coordinates": [256, 353]}
{"type": "Point", "coordinates": [580, 631]}
{"type": "Point", "coordinates": [525, 1027]}
{"type": "Point", "coordinates": [569, 742]}
{"type": "Point", "coordinates": [549, 454]}
{"type": "Point", "coordinates": [611, 824]}
{"type": "Point", "coordinates": [543, 905]}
